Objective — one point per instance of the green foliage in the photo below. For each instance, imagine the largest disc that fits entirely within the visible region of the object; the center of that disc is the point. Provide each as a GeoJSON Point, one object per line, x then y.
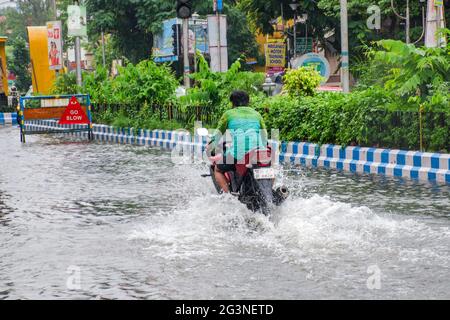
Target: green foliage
{"type": "Point", "coordinates": [65, 83]}
{"type": "Point", "coordinates": [146, 83]}
{"type": "Point", "coordinates": [19, 64]}
{"type": "Point", "coordinates": [374, 115]}
{"type": "Point", "coordinates": [28, 13]}
{"type": "Point", "coordinates": [366, 118]}
{"type": "Point", "coordinates": [241, 39]}
{"type": "Point", "coordinates": [302, 82]}
{"type": "Point", "coordinates": [132, 24]}
{"type": "Point", "coordinates": [134, 93]}
{"type": "Point", "coordinates": [213, 89]}
{"type": "Point", "coordinates": [419, 75]}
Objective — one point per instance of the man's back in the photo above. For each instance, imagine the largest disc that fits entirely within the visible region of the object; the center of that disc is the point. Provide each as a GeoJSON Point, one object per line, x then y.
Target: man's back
{"type": "Point", "coordinates": [245, 126]}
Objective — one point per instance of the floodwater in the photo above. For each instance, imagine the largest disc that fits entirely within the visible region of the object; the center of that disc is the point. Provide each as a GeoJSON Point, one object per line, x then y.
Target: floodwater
{"type": "Point", "coordinates": [85, 220]}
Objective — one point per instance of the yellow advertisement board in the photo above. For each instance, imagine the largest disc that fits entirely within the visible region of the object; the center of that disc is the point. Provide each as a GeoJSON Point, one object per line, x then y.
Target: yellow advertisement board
{"type": "Point", "coordinates": [3, 72]}
{"type": "Point", "coordinates": [275, 53]}
{"type": "Point", "coordinates": [42, 77]}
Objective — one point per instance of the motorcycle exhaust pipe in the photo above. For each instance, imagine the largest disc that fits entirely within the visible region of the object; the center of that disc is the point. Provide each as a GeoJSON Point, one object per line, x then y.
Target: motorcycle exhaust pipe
{"type": "Point", "coordinates": [283, 191]}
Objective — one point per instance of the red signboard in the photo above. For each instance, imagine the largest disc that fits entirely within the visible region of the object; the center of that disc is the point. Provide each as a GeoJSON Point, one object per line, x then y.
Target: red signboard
{"type": "Point", "coordinates": [74, 114]}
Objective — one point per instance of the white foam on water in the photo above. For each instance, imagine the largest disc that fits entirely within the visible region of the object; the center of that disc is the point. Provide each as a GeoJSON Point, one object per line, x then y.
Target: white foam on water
{"type": "Point", "coordinates": [302, 231]}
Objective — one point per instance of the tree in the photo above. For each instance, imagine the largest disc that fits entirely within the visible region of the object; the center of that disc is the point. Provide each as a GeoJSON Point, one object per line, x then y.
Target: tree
{"type": "Point", "coordinates": [19, 64]}
{"type": "Point", "coordinates": [262, 12]}
{"type": "Point", "coordinates": [132, 24]}
{"type": "Point", "coordinates": [420, 74]}
{"type": "Point", "coordinates": [28, 13]}
{"type": "Point", "coordinates": [324, 16]}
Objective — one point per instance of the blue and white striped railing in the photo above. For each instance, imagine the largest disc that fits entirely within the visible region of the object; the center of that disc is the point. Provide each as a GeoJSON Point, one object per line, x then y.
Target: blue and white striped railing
{"type": "Point", "coordinates": [394, 163]}
{"type": "Point", "coordinates": [8, 118]}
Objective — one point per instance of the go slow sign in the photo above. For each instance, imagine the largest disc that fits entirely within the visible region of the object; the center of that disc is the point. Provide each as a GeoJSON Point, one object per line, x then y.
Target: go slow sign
{"type": "Point", "coordinates": [74, 114]}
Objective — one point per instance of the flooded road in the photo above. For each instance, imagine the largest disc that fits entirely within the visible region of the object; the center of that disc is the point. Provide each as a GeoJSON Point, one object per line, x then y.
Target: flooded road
{"type": "Point", "coordinates": [85, 220]}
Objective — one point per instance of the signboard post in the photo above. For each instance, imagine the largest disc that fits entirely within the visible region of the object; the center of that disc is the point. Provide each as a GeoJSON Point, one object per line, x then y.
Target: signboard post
{"type": "Point", "coordinates": [76, 22]}
{"type": "Point", "coordinates": [54, 39]}
{"type": "Point", "coordinates": [69, 114]}
{"type": "Point", "coordinates": [315, 61]}
{"type": "Point", "coordinates": [275, 56]}
{"type": "Point", "coordinates": [218, 45]}
{"type": "Point", "coordinates": [77, 27]}
{"type": "Point", "coordinates": [304, 45]}
{"type": "Point", "coordinates": [74, 114]}
{"type": "Point", "coordinates": [163, 43]}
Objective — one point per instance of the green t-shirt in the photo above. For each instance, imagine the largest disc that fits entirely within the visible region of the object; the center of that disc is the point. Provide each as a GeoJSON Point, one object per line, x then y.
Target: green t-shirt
{"type": "Point", "coordinates": [244, 127]}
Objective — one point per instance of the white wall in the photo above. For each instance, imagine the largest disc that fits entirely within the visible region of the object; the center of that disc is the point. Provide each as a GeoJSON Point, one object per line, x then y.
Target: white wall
{"type": "Point", "coordinates": [7, 3]}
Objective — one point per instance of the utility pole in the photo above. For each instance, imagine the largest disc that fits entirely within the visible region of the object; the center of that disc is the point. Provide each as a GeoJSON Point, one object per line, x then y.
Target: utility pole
{"type": "Point", "coordinates": [78, 61]}
{"type": "Point", "coordinates": [78, 56]}
{"type": "Point", "coordinates": [440, 24]}
{"type": "Point", "coordinates": [406, 18]}
{"type": "Point", "coordinates": [219, 44]}
{"type": "Point", "coordinates": [187, 68]}
{"type": "Point", "coordinates": [345, 81]}
{"type": "Point", "coordinates": [407, 24]}
{"type": "Point", "coordinates": [55, 14]}
{"type": "Point", "coordinates": [103, 49]}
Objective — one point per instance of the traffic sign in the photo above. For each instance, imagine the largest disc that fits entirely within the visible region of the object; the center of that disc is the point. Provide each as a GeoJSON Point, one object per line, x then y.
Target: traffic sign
{"type": "Point", "coordinates": [74, 114]}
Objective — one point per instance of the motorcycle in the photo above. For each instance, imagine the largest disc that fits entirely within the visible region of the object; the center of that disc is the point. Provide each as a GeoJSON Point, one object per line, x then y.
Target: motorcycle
{"type": "Point", "coordinates": [252, 181]}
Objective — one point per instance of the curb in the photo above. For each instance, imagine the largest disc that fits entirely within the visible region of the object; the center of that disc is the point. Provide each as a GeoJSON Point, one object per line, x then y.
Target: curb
{"type": "Point", "coordinates": [8, 118]}
{"type": "Point", "coordinates": [411, 165]}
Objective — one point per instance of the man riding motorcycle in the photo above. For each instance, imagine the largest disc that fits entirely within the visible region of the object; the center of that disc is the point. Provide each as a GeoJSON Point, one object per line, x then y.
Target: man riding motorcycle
{"type": "Point", "coordinates": [243, 129]}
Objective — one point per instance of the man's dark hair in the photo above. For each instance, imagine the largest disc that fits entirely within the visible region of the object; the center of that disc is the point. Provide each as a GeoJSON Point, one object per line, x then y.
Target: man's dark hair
{"type": "Point", "coordinates": [239, 98]}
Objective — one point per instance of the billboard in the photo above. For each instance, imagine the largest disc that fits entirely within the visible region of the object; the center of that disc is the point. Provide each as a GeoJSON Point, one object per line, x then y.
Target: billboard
{"type": "Point", "coordinates": [163, 50]}
{"type": "Point", "coordinates": [276, 54]}
{"type": "Point", "coordinates": [198, 34]}
{"type": "Point", "coordinates": [3, 72]}
{"type": "Point", "coordinates": [76, 22]}
{"type": "Point", "coordinates": [54, 41]}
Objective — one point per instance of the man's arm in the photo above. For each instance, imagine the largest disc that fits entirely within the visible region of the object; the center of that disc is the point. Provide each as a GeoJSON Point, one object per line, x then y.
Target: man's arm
{"type": "Point", "coordinates": [220, 131]}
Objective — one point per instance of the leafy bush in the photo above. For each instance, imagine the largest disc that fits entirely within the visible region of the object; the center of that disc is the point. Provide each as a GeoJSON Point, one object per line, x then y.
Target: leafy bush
{"type": "Point", "coordinates": [213, 89]}
{"type": "Point", "coordinates": [144, 83]}
{"type": "Point", "coordinates": [367, 118]}
{"type": "Point", "coordinates": [65, 83]}
{"type": "Point", "coordinates": [302, 82]}
{"type": "Point", "coordinates": [383, 113]}
{"type": "Point", "coordinates": [419, 75]}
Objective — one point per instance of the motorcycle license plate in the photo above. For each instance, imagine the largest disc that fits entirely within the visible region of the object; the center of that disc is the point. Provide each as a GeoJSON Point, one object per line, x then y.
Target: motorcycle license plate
{"type": "Point", "coordinates": [266, 173]}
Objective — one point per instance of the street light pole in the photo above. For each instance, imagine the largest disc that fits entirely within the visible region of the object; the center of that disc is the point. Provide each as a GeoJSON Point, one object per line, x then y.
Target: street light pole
{"type": "Point", "coordinates": [345, 81]}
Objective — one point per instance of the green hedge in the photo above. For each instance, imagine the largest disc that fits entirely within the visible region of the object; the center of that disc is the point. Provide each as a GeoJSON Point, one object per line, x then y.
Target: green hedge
{"type": "Point", "coordinates": [142, 96]}
{"type": "Point", "coordinates": [367, 118]}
